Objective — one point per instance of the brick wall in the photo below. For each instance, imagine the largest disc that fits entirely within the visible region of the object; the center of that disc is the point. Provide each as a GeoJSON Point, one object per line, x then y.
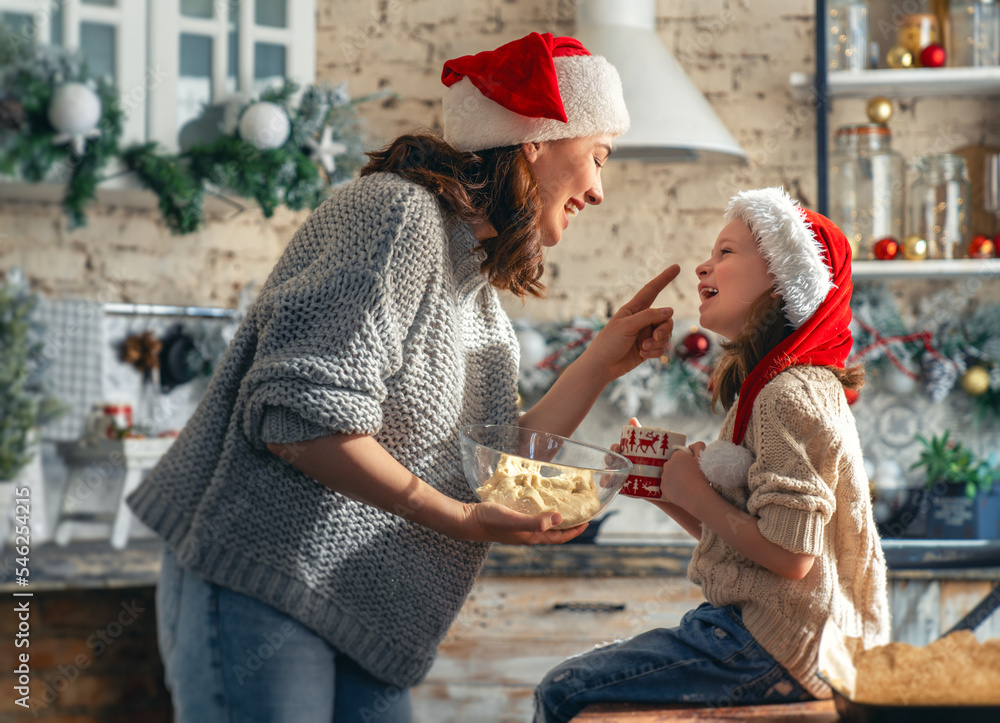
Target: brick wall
{"type": "Point", "coordinates": [93, 658]}
{"type": "Point", "coordinates": [739, 53]}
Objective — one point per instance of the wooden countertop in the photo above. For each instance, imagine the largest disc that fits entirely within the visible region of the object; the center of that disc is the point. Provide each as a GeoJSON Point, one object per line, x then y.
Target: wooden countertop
{"type": "Point", "coordinates": [97, 565]}
{"type": "Point", "coordinates": [817, 711]}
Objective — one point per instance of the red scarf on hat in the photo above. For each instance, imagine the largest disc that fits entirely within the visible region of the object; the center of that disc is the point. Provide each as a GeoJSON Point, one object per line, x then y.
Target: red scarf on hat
{"type": "Point", "coordinates": [520, 76]}
{"type": "Point", "coordinates": [823, 340]}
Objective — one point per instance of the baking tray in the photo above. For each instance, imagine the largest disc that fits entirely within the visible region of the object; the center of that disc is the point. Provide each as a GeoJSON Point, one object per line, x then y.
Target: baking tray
{"type": "Point", "coordinates": [836, 669]}
{"type": "Point", "coordinates": [855, 712]}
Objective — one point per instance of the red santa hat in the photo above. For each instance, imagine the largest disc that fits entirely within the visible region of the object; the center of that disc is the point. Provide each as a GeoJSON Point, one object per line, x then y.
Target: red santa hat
{"type": "Point", "coordinates": [538, 88]}
{"type": "Point", "coordinates": [810, 259]}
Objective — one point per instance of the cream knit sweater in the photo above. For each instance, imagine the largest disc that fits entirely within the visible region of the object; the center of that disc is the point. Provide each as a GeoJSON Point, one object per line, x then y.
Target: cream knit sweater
{"type": "Point", "coordinates": [808, 487]}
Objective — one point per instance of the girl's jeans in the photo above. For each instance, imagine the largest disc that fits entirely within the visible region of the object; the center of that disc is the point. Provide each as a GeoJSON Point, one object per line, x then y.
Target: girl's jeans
{"type": "Point", "coordinates": [232, 659]}
{"type": "Point", "coordinates": [709, 659]}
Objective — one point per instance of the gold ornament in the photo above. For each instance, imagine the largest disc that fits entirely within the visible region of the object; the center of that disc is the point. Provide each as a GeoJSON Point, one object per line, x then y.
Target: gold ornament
{"type": "Point", "coordinates": [976, 381]}
{"type": "Point", "coordinates": [899, 57]}
{"type": "Point", "coordinates": [879, 109]}
{"type": "Point", "coordinates": [914, 248]}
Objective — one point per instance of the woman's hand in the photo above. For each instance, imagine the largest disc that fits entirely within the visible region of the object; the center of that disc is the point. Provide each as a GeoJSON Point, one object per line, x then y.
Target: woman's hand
{"type": "Point", "coordinates": [636, 333]}
{"type": "Point", "coordinates": [492, 522]}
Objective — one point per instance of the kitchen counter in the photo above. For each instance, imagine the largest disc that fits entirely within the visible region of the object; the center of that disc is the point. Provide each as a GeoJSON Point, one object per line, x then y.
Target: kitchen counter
{"type": "Point", "coordinates": [532, 606]}
{"type": "Point", "coordinates": [97, 565]}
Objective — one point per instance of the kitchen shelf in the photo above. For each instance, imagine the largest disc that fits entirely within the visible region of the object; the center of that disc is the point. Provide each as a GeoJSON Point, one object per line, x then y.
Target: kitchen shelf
{"type": "Point", "coordinates": [123, 191]}
{"type": "Point", "coordinates": [931, 269]}
{"type": "Point", "coordinates": [901, 83]}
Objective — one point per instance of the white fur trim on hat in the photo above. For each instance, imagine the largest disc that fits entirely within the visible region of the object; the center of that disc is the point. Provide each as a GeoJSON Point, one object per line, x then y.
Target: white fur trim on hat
{"type": "Point", "coordinates": [726, 464]}
{"type": "Point", "coordinates": [793, 253]}
{"type": "Point", "coordinates": [591, 94]}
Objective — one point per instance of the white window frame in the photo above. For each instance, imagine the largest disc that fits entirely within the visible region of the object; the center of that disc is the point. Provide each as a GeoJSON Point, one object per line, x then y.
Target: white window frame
{"type": "Point", "coordinates": [299, 39]}
{"type": "Point", "coordinates": [147, 36]}
{"type": "Point", "coordinates": [128, 17]}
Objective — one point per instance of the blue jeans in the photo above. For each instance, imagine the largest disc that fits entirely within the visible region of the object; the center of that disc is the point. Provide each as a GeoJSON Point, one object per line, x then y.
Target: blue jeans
{"type": "Point", "coordinates": [232, 659]}
{"type": "Point", "coordinates": [709, 659]}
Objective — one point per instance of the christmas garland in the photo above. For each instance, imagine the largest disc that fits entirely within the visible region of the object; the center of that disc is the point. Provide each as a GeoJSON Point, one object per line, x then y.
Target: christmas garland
{"type": "Point", "coordinates": [949, 344]}
{"type": "Point", "coordinates": [674, 383]}
{"type": "Point", "coordinates": [59, 124]}
{"type": "Point", "coordinates": [945, 348]}
{"type": "Point", "coordinates": [40, 140]}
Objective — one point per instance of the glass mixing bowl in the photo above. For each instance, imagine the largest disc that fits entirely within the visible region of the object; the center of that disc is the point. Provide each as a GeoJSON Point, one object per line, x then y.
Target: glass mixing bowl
{"type": "Point", "coordinates": [484, 447]}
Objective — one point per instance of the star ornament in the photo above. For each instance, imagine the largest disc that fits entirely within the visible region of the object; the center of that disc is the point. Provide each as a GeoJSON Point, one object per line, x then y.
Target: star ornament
{"type": "Point", "coordinates": [325, 150]}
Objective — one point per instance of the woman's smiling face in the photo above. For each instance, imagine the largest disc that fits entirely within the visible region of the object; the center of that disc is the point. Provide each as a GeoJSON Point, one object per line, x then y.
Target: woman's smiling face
{"type": "Point", "coordinates": [568, 172]}
{"type": "Point", "coordinates": [731, 280]}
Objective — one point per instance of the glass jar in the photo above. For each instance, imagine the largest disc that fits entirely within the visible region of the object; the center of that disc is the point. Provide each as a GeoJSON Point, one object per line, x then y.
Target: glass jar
{"type": "Point", "coordinates": [867, 186]}
{"type": "Point", "coordinates": [940, 205]}
{"type": "Point", "coordinates": [847, 35]}
{"type": "Point", "coordinates": [974, 33]}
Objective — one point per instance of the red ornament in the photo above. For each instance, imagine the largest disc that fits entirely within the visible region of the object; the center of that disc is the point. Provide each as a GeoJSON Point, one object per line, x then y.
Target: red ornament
{"type": "Point", "coordinates": [886, 249]}
{"type": "Point", "coordinates": [692, 346]}
{"type": "Point", "coordinates": [933, 56]}
{"type": "Point", "coordinates": [981, 248]}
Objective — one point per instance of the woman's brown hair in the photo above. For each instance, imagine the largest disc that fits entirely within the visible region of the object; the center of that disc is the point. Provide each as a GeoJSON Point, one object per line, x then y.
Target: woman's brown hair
{"type": "Point", "coordinates": [765, 328]}
{"type": "Point", "coordinates": [495, 186]}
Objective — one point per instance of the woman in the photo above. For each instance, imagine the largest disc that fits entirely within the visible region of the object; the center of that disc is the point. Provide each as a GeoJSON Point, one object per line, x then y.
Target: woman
{"type": "Point", "coordinates": [376, 337]}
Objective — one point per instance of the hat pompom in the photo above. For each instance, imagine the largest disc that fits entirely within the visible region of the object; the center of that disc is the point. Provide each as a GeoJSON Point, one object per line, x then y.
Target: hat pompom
{"type": "Point", "coordinates": [726, 464]}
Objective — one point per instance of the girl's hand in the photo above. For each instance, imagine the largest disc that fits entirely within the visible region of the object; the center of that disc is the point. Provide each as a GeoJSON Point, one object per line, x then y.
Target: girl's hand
{"type": "Point", "coordinates": [636, 333]}
{"type": "Point", "coordinates": [492, 522]}
{"type": "Point", "coordinates": [682, 478]}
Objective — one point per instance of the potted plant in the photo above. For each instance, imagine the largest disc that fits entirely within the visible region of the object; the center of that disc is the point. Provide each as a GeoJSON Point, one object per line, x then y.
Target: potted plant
{"type": "Point", "coordinates": [963, 501]}
{"type": "Point", "coordinates": [24, 406]}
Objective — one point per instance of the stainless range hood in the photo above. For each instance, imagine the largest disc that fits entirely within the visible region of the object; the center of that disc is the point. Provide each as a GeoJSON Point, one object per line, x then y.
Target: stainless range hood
{"type": "Point", "coordinates": [671, 119]}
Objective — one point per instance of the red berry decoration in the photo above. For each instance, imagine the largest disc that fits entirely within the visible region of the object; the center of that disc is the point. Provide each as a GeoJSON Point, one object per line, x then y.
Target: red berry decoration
{"type": "Point", "coordinates": [886, 249]}
{"type": "Point", "coordinates": [981, 247]}
{"type": "Point", "coordinates": [933, 56]}
{"type": "Point", "coordinates": [693, 346]}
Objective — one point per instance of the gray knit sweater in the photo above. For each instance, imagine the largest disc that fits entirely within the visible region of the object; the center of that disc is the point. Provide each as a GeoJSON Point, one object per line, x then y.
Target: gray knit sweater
{"type": "Point", "coordinates": [376, 320]}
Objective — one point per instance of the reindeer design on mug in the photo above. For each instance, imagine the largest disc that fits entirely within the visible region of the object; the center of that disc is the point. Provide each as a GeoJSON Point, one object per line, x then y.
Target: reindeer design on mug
{"type": "Point", "coordinates": [649, 442]}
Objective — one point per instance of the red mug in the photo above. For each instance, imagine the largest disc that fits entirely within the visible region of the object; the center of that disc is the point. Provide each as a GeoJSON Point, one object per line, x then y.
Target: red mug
{"type": "Point", "coordinates": [648, 448]}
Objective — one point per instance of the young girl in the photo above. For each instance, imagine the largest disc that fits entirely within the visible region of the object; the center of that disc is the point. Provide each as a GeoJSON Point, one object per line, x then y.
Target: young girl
{"type": "Point", "coordinates": [784, 521]}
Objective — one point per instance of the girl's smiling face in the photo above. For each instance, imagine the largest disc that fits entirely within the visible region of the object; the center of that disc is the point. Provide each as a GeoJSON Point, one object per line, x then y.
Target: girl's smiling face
{"type": "Point", "coordinates": [568, 173]}
{"type": "Point", "coordinates": [731, 280]}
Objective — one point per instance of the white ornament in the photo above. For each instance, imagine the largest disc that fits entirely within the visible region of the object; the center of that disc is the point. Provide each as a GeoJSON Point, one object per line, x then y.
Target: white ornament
{"type": "Point", "coordinates": [898, 382]}
{"type": "Point", "coordinates": [533, 349]}
{"type": "Point", "coordinates": [325, 150]}
{"type": "Point", "coordinates": [74, 111]}
{"type": "Point", "coordinates": [265, 126]}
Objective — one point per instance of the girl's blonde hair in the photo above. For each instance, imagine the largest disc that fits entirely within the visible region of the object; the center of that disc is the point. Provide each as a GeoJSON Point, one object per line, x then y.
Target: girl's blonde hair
{"type": "Point", "coordinates": [766, 326]}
